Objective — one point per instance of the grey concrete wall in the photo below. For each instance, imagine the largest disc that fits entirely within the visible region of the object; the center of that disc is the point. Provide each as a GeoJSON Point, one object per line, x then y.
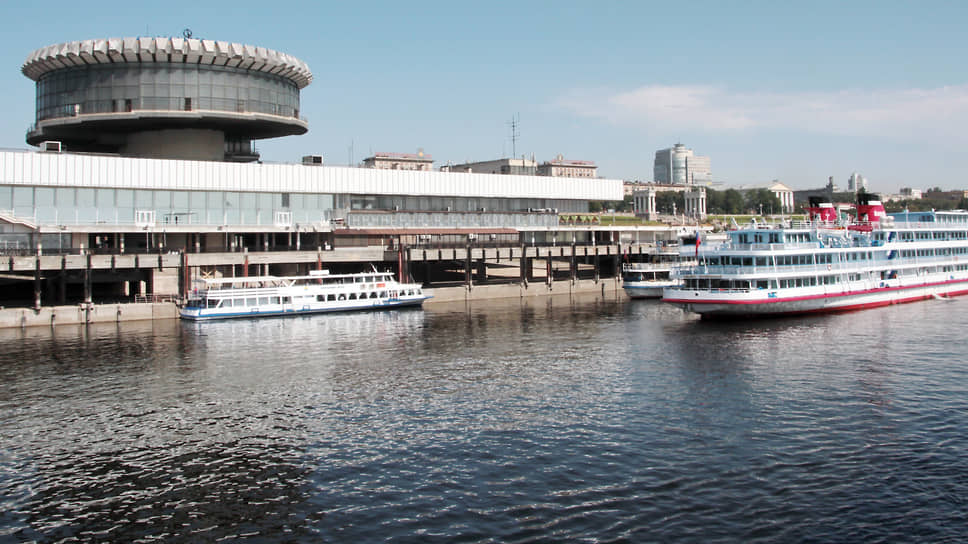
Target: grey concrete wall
{"type": "Point", "coordinates": [187, 144]}
{"type": "Point", "coordinates": [82, 314]}
{"type": "Point", "coordinates": [608, 288]}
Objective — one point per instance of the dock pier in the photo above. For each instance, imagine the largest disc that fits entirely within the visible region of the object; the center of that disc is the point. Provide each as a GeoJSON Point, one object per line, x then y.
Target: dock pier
{"type": "Point", "coordinates": [89, 287]}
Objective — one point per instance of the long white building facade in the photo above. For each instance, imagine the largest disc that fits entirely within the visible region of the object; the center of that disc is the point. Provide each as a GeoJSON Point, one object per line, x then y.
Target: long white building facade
{"type": "Point", "coordinates": [57, 192]}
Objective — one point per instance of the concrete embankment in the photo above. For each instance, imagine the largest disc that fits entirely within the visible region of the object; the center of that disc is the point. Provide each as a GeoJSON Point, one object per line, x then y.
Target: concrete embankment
{"type": "Point", "coordinates": [81, 314]}
{"type": "Point", "coordinates": [609, 287]}
{"type": "Point", "coordinates": [86, 313]}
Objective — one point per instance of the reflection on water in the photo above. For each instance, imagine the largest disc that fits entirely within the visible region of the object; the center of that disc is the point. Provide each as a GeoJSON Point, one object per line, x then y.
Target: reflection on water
{"type": "Point", "coordinates": [520, 420]}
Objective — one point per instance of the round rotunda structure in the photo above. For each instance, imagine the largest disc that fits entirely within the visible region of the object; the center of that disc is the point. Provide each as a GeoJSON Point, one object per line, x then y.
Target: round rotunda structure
{"type": "Point", "coordinates": [182, 98]}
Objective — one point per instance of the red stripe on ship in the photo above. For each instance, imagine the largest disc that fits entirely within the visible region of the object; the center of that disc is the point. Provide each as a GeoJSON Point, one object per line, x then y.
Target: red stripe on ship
{"type": "Point", "coordinates": [838, 295]}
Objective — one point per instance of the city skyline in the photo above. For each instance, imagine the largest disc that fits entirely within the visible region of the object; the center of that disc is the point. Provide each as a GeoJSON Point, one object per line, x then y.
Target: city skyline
{"type": "Point", "coordinates": [795, 93]}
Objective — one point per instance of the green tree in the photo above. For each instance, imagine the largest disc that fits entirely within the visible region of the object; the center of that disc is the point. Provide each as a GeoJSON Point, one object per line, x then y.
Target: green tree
{"type": "Point", "coordinates": [715, 201]}
{"type": "Point", "coordinates": [733, 201]}
{"type": "Point", "coordinates": [762, 200]}
{"type": "Point", "coordinates": [665, 200]}
{"type": "Point", "coordinates": [626, 205]}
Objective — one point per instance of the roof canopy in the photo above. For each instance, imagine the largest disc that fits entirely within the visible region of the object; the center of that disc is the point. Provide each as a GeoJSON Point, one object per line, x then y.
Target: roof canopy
{"type": "Point", "coordinates": [165, 50]}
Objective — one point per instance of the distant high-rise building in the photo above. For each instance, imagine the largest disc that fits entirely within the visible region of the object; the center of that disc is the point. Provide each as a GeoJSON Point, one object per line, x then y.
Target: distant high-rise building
{"type": "Point", "coordinates": [856, 182]}
{"type": "Point", "coordinates": [678, 165]}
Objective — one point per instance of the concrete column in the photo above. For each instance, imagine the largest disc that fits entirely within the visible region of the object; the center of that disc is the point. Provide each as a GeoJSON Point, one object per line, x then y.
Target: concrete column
{"type": "Point", "coordinates": [574, 263]}
{"type": "Point", "coordinates": [87, 280]}
{"type": "Point", "coordinates": [597, 266]}
{"type": "Point", "coordinates": [482, 271]}
{"type": "Point", "coordinates": [62, 282]}
{"type": "Point", "coordinates": [37, 283]}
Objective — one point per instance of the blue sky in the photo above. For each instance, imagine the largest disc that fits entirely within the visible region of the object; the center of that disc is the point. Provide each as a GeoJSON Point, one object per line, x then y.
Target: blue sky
{"type": "Point", "coordinates": [796, 91]}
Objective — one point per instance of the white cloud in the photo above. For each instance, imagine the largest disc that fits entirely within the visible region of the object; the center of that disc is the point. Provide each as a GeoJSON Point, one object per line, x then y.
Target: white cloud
{"type": "Point", "coordinates": [912, 113]}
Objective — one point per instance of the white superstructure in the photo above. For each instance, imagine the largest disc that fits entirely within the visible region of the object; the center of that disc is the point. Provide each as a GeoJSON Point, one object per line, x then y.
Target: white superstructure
{"type": "Point", "coordinates": [319, 292]}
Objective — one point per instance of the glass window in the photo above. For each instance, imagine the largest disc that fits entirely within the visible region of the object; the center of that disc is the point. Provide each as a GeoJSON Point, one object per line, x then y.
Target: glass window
{"type": "Point", "coordinates": [144, 200]}
{"type": "Point", "coordinates": [196, 200]}
{"type": "Point", "coordinates": [124, 197]}
{"type": "Point", "coordinates": [44, 196]}
{"type": "Point", "coordinates": [85, 198]}
{"type": "Point", "coordinates": [248, 201]}
{"type": "Point", "coordinates": [179, 200]}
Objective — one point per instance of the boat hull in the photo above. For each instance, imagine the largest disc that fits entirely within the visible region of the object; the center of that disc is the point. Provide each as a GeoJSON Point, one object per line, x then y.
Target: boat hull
{"type": "Point", "coordinates": [709, 305]}
{"type": "Point", "coordinates": [637, 290]}
{"type": "Point", "coordinates": [206, 314]}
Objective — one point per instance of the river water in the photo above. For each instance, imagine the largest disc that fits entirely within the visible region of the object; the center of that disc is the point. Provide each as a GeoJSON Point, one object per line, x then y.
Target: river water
{"type": "Point", "coordinates": [563, 419]}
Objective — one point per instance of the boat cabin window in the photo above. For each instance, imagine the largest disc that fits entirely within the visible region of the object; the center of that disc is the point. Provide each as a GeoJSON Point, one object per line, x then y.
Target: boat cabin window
{"type": "Point", "coordinates": [352, 296]}
{"type": "Point", "coordinates": [373, 294]}
{"type": "Point", "coordinates": [287, 300]}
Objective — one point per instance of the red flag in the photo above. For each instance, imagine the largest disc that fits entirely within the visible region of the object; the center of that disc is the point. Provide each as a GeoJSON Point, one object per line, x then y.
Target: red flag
{"type": "Point", "coordinates": [697, 243]}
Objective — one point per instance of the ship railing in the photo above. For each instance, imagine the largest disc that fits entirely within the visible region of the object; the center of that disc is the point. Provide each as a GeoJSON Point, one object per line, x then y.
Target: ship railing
{"type": "Point", "coordinates": [719, 289]}
{"type": "Point", "coordinates": [648, 267]}
{"type": "Point", "coordinates": [768, 247]}
{"type": "Point", "coordinates": [142, 299]}
{"type": "Point", "coordinates": [819, 269]}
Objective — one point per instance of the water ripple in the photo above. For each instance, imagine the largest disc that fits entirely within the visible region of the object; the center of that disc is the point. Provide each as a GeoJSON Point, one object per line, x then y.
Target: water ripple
{"type": "Point", "coordinates": [526, 421]}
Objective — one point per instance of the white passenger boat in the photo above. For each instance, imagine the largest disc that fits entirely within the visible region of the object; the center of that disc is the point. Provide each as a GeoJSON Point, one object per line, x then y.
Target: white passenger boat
{"type": "Point", "coordinates": [829, 265]}
{"type": "Point", "coordinates": [320, 291]}
{"type": "Point", "coordinates": [648, 279]}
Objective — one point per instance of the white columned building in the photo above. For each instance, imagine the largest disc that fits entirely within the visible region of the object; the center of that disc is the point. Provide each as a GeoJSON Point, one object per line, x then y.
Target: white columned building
{"type": "Point", "coordinates": [784, 194]}
{"type": "Point", "coordinates": [644, 204]}
{"type": "Point", "coordinates": [696, 203]}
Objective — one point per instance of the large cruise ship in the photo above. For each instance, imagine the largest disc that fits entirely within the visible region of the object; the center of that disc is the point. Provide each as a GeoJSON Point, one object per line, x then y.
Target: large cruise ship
{"type": "Point", "coordinates": [827, 264]}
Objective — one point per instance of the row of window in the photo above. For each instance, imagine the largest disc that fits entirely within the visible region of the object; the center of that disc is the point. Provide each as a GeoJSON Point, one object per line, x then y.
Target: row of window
{"type": "Point", "coordinates": [101, 89]}
{"type": "Point", "coordinates": [912, 236]}
{"type": "Point", "coordinates": [809, 281]}
{"type": "Point", "coordinates": [333, 297]}
{"type": "Point", "coordinates": [788, 260]}
{"type": "Point", "coordinates": [826, 258]}
{"type": "Point", "coordinates": [771, 237]}
{"type": "Point", "coordinates": [938, 252]}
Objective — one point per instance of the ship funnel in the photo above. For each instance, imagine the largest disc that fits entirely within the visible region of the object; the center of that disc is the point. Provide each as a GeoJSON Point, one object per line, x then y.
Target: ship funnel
{"type": "Point", "coordinates": [821, 210]}
{"type": "Point", "coordinates": [869, 208]}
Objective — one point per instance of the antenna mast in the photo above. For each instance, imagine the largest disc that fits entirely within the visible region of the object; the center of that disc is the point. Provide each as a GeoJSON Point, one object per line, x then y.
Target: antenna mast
{"type": "Point", "coordinates": [515, 133]}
